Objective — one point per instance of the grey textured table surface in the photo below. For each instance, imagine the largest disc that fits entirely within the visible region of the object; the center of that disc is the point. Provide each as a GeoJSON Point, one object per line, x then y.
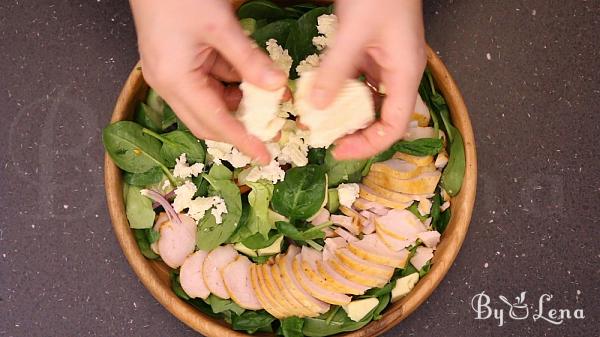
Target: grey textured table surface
{"type": "Point", "coordinates": [530, 74]}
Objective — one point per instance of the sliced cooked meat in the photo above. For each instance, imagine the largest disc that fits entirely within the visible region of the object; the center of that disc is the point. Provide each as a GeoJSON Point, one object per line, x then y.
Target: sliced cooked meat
{"type": "Point", "coordinates": [345, 234]}
{"type": "Point", "coordinates": [419, 160]}
{"type": "Point", "coordinates": [430, 238]}
{"type": "Point", "coordinates": [362, 265]}
{"type": "Point", "coordinates": [353, 275]}
{"type": "Point", "coordinates": [236, 277]}
{"type": "Point", "coordinates": [321, 217]}
{"type": "Point", "coordinates": [346, 222]}
{"type": "Point", "coordinates": [375, 196]}
{"type": "Point", "coordinates": [315, 289]}
{"type": "Point", "coordinates": [424, 183]}
{"type": "Point", "coordinates": [419, 132]}
{"type": "Point", "coordinates": [373, 182]}
{"type": "Point", "coordinates": [392, 242]}
{"type": "Point", "coordinates": [397, 168]}
{"type": "Point", "coordinates": [400, 224]}
{"type": "Point", "coordinates": [295, 286]}
{"type": "Point", "coordinates": [302, 310]}
{"type": "Point", "coordinates": [190, 275]}
{"type": "Point", "coordinates": [422, 255]}
{"type": "Point", "coordinates": [271, 296]}
{"type": "Point", "coordinates": [177, 240]}
{"type": "Point", "coordinates": [276, 294]}
{"type": "Point", "coordinates": [214, 264]}
{"type": "Point", "coordinates": [312, 265]}
{"type": "Point", "coordinates": [260, 295]}
{"type": "Point", "coordinates": [371, 248]}
{"type": "Point", "coordinates": [356, 217]}
{"type": "Point", "coordinates": [332, 276]}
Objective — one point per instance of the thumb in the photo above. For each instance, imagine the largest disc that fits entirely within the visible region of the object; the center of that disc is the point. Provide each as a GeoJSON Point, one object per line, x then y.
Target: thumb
{"type": "Point", "coordinates": [251, 62]}
{"type": "Point", "coordinates": [339, 63]}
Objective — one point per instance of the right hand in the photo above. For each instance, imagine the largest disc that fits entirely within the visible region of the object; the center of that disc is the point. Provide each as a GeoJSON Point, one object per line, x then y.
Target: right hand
{"type": "Point", "coordinates": [187, 49]}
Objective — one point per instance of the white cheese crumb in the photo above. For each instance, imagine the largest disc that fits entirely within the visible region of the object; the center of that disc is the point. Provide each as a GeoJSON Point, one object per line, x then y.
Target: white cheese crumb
{"type": "Point", "coordinates": [308, 64]}
{"type": "Point", "coordinates": [183, 196]}
{"type": "Point", "coordinates": [347, 193]}
{"type": "Point", "coordinates": [219, 208]}
{"type": "Point", "coordinates": [271, 172]}
{"type": "Point", "coordinates": [183, 170]}
{"type": "Point", "coordinates": [280, 56]}
{"type": "Point", "coordinates": [219, 151]}
{"type": "Point", "coordinates": [326, 25]}
{"type": "Point", "coordinates": [441, 160]}
{"type": "Point", "coordinates": [293, 148]}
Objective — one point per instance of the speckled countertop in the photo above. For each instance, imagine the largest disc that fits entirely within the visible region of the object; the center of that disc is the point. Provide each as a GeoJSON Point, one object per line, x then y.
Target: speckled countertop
{"type": "Point", "coordinates": [530, 74]}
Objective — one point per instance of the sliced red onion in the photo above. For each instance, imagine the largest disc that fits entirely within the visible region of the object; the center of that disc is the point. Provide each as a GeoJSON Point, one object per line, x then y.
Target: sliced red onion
{"type": "Point", "coordinates": [169, 196]}
{"type": "Point", "coordinates": [171, 214]}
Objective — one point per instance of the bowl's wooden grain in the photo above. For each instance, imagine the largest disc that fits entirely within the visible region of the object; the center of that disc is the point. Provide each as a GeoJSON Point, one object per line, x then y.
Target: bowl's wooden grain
{"type": "Point", "coordinates": [155, 275]}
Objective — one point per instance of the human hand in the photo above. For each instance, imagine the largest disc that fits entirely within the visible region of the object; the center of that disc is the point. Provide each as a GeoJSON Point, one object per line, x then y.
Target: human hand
{"type": "Point", "coordinates": [187, 48]}
{"type": "Point", "coordinates": [386, 42]}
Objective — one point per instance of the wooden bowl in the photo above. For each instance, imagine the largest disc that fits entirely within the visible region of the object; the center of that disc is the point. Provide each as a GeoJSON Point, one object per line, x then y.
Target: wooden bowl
{"type": "Point", "coordinates": [155, 275]}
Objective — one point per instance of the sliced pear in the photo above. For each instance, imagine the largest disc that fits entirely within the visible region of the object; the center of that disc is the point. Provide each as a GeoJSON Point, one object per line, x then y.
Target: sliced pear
{"type": "Point", "coordinates": [364, 266]}
{"type": "Point", "coordinates": [425, 183]}
{"type": "Point", "coordinates": [262, 298]}
{"type": "Point", "coordinates": [417, 160]}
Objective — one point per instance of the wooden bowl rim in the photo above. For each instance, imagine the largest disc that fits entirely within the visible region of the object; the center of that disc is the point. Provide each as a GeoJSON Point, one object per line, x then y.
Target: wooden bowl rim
{"type": "Point", "coordinates": [447, 251]}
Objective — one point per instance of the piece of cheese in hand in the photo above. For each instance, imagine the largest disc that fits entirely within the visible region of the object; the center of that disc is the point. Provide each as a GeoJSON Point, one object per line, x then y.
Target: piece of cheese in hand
{"type": "Point", "coordinates": [258, 110]}
{"type": "Point", "coordinates": [351, 110]}
{"type": "Point", "coordinates": [358, 309]}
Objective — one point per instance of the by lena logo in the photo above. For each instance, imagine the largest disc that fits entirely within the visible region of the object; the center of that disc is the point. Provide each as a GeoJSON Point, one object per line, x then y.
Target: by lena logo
{"type": "Point", "coordinates": [519, 310]}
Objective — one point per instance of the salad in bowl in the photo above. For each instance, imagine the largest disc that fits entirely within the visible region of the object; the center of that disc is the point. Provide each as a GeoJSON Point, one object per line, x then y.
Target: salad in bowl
{"type": "Point", "coordinates": [306, 245]}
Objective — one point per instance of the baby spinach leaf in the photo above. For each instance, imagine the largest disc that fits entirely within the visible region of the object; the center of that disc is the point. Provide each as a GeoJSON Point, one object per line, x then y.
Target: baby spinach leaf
{"type": "Point", "coordinates": [414, 209]}
{"type": "Point", "coordinates": [138, 209]}
{"type": "Point", "coordinates": [378, 292]}
{"type": "Point", "coordinates": [210, 234]}
{"type": "Point", "coordinates": [152, 235]}
{"type": "Point", "coordinates": [169, 117]}
{"type": "Point", "coordinates": [316, 155]}
{"type": "Point", "coordinates": [261, 9]}
{"type": "Point", "coordinates": [444, 220]}
{"type": "Point", "coordinates": [242, 232]}
{"type": "Point", "coordinates": [251, 321]}
{"type": "Point", "coordinates": [278, 30]}
{"type": "Point", "coordinates": [339, 322]}
{"type": "Point", "coordinates": [384, 300]}
{"type": "Point", "coordinates": [294, 233]}
{"type": "Point", "coordinates": [152, 176]}
{"type": "Point", "coordinates": [299, 42]}
{"type": "Point", "coordinates": [131, 149]}
{"type": "Point", "coordinates": [220, 305]}
{"type": "Point", "coordinates": [453, 174]}
{"type": "Point", "coordinates": [154, 101]}
{"type": "Point", "coordinates": [342, 171]}
{"type": "Point", "coordinates": [259, 199]}
{"type": "Point", "coordinates": [301, 194]}
{"type": "Point", "coordinates": [176, 286]}
{"type": "Point", "coordinates": [419, 147]}
{"type": "Point", "coordinates": [148, 117]}
{"type": "Point", "coordinates": [220, 172]}
{"type": "Point", "coordinates": [144, 244]}
{"type": "Point", "coordinates": [425, 269]}
{"type": "Point", "coordinates": [257, 241]}
{"type": "Point", "coordinates": [248, 25]}
{"type": "Point", "coordinates": [292, 327]}
{"type": "Point", "coordinates": [436, 202]}
{"type": "Point", "coordinates": [177, 142]}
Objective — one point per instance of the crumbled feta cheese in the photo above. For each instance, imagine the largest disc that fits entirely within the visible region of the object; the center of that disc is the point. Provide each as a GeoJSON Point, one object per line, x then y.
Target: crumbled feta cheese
{"type": "Point", "coordinates": [441, 160]}
{"type": "Point", "coordinates": [424, 207]}
{"type": "Point", "coordinates": [183, 170]}
{"type": "Point", "coordinates": [271, 172]}
{"type": "Point", "coordinates": [199, 206]}
{"type": "Point", "coordinates": [326, 25]}
{"type": "Point", "coordinates": [286, 108]}
{"type": "Point", "coordinates": [219, 151]}
{"type": "Point", "coordinates": [308, 64]}
{"type": "Point", "coordinates": [183, 196]}
{"type": "Point", "coordinates": [347, 194]}
{"type": "Point", "coordinates": [294, 149]}
{"type": "Point", "coordinates": [280, 56]}
{"type": "Point", "coordinates": [219, 208]}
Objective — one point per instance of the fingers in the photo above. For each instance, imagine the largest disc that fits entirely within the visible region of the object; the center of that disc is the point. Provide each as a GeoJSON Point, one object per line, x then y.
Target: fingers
{"type": "Point", "coordinates": [367, 142]}
{"type": "Point", "coordinates": [224, 71]}
{"type": "Point", "coordinates": [339, 63]}
{"type": "Point", "coordinates": [202, 108]}
{"type": "Point", "coordinates": [252, 64]}
{"type": "Point", "coordinates": [232, 97]}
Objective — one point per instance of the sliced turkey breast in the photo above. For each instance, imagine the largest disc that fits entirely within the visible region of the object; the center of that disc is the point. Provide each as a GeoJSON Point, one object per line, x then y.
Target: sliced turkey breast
{"type": "Point", "coordinates": [362, 265]}
{"type": "Point", "coordinates": [419, 132]}
{"type": "Point", "coordinates": [214, 264]}
{"type": "Point", "coordinates": [321, 217]}
{"type": "Point", "coordinates": [356, 276]}
{"type": "Point", "coordinates": [317, 290]}
{"type": "Point", "coordinates": [190, 275]}
{"type": "Point", "coordinates": [422, 255]}
{"type": "Point", "coordinates": [271, 296]}
{"type": "Point", "coordinates": [287, 293]}
{"type": "Point", "coordinates": [370, 194]}
{"type": "Point", "coordinates": [278, 294]}
{"type": "Point", "coordinates": [285, 263]}
{"type": "Point", "coordinates": [424, 183]}
{"type": "Point", "coordinates": [177, 240]}
{"type": "Point", "coordinates": [371, 248]}
{"type": "Point", "coordinates": [399, 169]}
{"type": "Point", "coordinates": [418, 160]}
{"type": "Point", "coordinates": [430, 238]}
{"type": "Point", "coordinates": [384, 192]}
{"type": "Point", "coordinates": [400, 224]}
{"type": "Point", "coordinates": [236, 277]}
{"type": "Point", "coordinates": [345, 234]}
{"type": "Point", "coordinates": [392, 242]}
{"type": "Point", "coordinates": [347, 222]}
{"type": "Point", "coordinates": [362, 204]}
{"type": "Point", "coordinates": [261, 296]}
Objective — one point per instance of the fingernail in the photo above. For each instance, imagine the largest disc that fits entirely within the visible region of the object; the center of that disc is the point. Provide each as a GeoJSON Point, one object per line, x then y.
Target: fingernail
{"type": "Point", "coordinates": [319, 98]}
{"type": "Point", "coordinates": [273, 78]}
{"type": "Point", "coordinates": [263, 159]}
